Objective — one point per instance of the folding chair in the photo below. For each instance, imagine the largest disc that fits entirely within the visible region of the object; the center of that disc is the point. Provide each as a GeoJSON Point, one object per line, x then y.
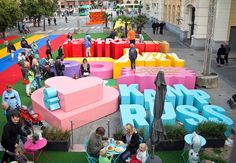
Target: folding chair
{"type": "Point", "coordinates": [90, 159]}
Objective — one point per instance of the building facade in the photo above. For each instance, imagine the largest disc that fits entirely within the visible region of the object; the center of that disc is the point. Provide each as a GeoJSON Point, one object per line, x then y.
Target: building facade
{"type": "Point", "coordinates": [66, 4]}
{"type": "Point", "coordinates": [188, 19]}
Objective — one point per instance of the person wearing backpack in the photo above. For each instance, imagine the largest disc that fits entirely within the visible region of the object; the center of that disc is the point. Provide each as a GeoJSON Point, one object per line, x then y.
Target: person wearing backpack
{"type": "Point", "coordinates": [132, 56]}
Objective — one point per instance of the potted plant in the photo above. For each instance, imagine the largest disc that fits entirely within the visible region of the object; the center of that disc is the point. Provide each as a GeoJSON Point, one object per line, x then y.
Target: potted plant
{"type": "Point", "coordinates": [58, 140]}
{"type": "Point", "coordinates": [213, 132]}
{"type": "Point", "coordinates": [174, 138]}
{"type": "Point", "coordinates": [118, 134]}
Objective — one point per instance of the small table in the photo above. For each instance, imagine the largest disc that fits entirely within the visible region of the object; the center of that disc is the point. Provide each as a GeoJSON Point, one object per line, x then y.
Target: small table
{"type": "Point", "coordinates": [116, 154]}
{"type": "Point", "coordinates": [31, 148]}
{"type": "Point", "coordinates": [188, 140]}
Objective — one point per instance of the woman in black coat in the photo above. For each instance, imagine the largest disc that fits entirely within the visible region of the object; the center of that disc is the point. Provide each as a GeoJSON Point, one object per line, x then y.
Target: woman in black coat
{"type": "Point", "coordinates": [131, 139]}
{"type": "Point", "coordinates": [85, 68]}
{"type": "Point", "coordinates": [10, 133]}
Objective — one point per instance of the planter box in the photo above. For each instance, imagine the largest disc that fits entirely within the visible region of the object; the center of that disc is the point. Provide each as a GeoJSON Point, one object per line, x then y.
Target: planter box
{"type": "Point", "coordinates": [214, 143]}
{"type": "Point", "coordinates": [167, 145]}
{"type": "Point", "coordinates": [57, 145]}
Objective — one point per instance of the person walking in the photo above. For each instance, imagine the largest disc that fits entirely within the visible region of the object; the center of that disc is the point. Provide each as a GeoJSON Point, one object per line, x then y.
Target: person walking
{"type": "Point", "coordinates": [55, 21]}
{"type": "Point", "coordinates": [49, 21]}
{"type": "Point", "coordinates": [60, 53]}
{"type": "Point", "coordinates": [132, 56]}
{"type": "Point", "coordinates": [162, 24]}
{"type": "Point", "coordinates": [48, 48]}
{"type": "Point", "coordinates": [24, 43]}
{"type": "Point", "coordinates": [157, 25]}
{"type": "Point", "coordinates": [227, 50]}
{"type": "Point", "coordinates": [66, 19]}
{"type": "Point", "coordinates": [37, 74]}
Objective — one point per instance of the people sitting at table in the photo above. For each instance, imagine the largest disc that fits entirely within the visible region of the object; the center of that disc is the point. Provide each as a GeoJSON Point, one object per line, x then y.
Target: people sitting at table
{"type": "Point", "coordinates": [10, 134]}
{"type": "Point", "coordinates": [85, 68]}
{"type": "Point", "coordinates": [104, 157]}
{"type": "Point", "coordinates": [95, 143]}
{"type": "Point", "coordinates": [141, 156]}
{"type": "Point", "coordinates": [131, 139]}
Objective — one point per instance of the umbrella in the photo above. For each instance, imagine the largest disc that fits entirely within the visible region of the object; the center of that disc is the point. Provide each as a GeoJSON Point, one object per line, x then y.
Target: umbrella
{"type": "Point", "coordinates": [157, 131]}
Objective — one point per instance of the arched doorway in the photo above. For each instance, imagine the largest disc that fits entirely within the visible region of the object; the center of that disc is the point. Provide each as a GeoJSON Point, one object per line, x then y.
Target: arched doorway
{"type": "Point", "coordinates": [191, 20]}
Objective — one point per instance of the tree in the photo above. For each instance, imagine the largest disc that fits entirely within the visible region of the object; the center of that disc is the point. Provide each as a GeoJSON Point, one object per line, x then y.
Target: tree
{"type": "Point", "coordinates": [107, 17]}
{"type": "Point", "coordinates": [140, 20]}
{"type": "Point", "coordinates": [10, 13]}
{"type": "Point", "coordinates": [126, 20]}
{"type": "Point", "coordinates": [36, 9]}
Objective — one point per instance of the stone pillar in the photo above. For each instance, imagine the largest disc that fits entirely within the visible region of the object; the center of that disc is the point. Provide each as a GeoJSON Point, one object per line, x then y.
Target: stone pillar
{"type": "Point", "coordinates": [201, 17]}
{"type": "Point", "coordinates": [221, 25]}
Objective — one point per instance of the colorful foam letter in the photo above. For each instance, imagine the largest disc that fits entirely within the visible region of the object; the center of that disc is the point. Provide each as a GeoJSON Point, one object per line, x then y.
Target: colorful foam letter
{"type": "Point", "coordinates": [213, 112]}
{"type": "Point", "coordinates": [136, 115]}
{"type": "Point", "coordinates": [189, 116]}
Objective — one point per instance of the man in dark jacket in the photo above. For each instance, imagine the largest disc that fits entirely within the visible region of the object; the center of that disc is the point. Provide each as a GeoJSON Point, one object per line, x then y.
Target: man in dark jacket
{"type": "Point", "coordinates": [220, 54]}
{"type": "Point", "coordinates": [154, 27]}
{"type": "Point", "coordinates": [59, 67]}
{"type": "Point", "coordinates": [60, 53]}
{"type": "Point", "coordinates": [11, 131]}
{"type": "Point", "coordinates": [10, 47]}
{"type": "Point", "coordinates": [24, 43]}
{"type": "Point", "coordinates": [132, 56]}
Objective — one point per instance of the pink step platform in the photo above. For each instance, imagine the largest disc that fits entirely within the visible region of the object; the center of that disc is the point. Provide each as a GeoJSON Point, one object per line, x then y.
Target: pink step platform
{"type": "Point", "coordinates": [93, 99]}
{"type": "Point", "coordinates": [102, 70]}
{"type": "Point", "coordinates": [145, 76]}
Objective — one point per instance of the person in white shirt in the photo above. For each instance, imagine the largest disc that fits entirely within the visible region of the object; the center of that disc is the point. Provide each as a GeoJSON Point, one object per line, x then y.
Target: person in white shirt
{"type": "Point", "coordinates": [141, 156]}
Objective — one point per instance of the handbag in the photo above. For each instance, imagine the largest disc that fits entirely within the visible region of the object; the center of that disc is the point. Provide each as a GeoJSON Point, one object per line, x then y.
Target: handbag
{"type": "Point", "coordinates": [25, 81]}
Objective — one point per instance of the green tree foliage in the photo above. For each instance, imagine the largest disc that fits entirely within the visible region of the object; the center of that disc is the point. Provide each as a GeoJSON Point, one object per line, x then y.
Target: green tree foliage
{"type": "Point", "coordinates": [38, 8]}
{"type": "Point", "coordinates": [10, 13]}
{"type": "Point", "coordinates": [140, 20]}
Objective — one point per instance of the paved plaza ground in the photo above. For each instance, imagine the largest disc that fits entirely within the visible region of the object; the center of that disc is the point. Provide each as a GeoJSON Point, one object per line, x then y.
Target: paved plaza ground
{"type": "Point", "coordinates": [193, 60]}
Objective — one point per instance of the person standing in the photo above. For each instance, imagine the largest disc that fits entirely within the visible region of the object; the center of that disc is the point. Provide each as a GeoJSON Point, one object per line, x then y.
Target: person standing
{"type": "Point", "coordinates": [58, 66]}
{"type": "Point", "coordinates": [12, 97]}
{"type": "Point", "coordinates": [60, 53]}
{"type": "Point", "coordinates": [10, 134]}
{"type": "Point", "coordinates": [132, 56]}
{"type": "Point", "coordinates": [11, 49]}
{"type": "Point", "coordinates": [37, 75]}
{"type": "Point", "coordinates": [87, 44]}
{"type": "Point", "coordinates": [220, 53]}
{"type": "Point", "coordinates": [162, 24]}
{"type": "Point", "coordinates": [24, 43]}
{"type": "Point", "coordinates": [131, 36]}
{"type": "Point", "coordinates": [157, 25]}
{"type": "Point", "coordinates": [227, 50]}
{"type": "Point", "coordinates": [55, 21]}
{"type": "Point", "coordinates": [48, 48]}
{"type": "Point", "coordinates": [153, 28]}
{"type": "Point", "coordinates": [7, 110]}
{"type": "Point", "coordinates": [69, 36]}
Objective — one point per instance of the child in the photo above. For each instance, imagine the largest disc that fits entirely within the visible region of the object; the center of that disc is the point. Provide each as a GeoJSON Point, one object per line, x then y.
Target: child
{"type": "Point", "coordinates": [141, 156]}
{"type": "Point", "coordinates": [18, 155]}
{"type": "Point", "coordinates": [141, 38]}
{"type": "Point", "coordinates": [104, 157]}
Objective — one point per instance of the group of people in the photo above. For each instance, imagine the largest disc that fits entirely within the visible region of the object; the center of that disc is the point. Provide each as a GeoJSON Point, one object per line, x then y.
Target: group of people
{"type": "Point", "coordinates": [135, 152]}
{"type": "Point", "coordinates": [54, 20]}
{"type": "Point", "coordinates": [13, 130]}
{"type": "Point", "coordinates": [223, 54]}
{"type": "Point", "coordinates": [157, 27]}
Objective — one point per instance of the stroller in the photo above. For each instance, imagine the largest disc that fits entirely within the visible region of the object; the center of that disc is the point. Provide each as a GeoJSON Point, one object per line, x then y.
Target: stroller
{"type": "Point", "coordinates": [30, 119]}
{"type": "Point", "coordinates": [44, 68]}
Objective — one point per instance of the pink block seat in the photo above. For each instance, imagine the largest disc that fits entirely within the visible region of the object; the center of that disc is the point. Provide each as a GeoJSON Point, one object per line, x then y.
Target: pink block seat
{"type": "Point", "coordinates": [70, 91]}
{"type": "Point", "coordinates": [102, 70]}
{"type": "Point", "coordinates": [107, 104]}
{"type": "Point", "coordinates": [145, 76]}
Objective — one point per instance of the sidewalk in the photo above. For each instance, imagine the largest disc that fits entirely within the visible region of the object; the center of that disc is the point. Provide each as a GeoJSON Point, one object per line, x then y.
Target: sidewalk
{"type": "Point", "coordinates": [194, 61]}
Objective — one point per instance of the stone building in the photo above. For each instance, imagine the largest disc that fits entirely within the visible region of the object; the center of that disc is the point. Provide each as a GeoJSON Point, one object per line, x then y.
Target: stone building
{"type": "Point", "coordinates": [188, 19]}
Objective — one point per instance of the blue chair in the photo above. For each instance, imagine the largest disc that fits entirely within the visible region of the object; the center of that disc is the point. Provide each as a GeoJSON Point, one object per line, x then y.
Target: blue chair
{"type": "Point", "coordinates": [90, 159]}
